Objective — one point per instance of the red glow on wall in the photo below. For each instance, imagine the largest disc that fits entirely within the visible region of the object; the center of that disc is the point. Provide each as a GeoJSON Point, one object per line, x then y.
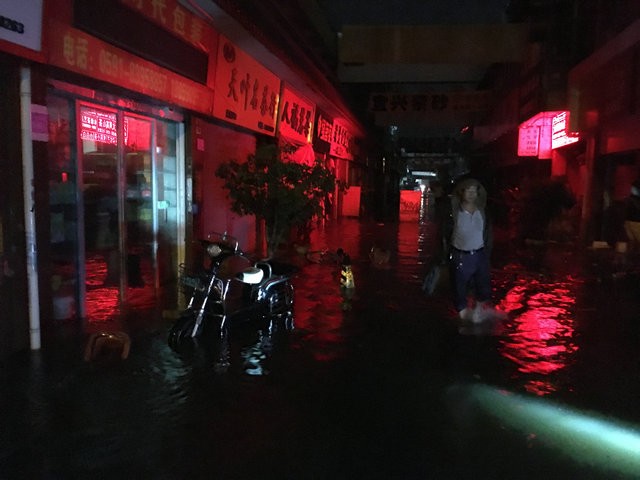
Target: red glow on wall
{"type": "Point", "coordinates": [137, 133]}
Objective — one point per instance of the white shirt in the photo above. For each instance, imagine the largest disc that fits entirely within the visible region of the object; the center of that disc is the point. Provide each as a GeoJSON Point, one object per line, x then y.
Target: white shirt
{"type": "Point", "coordinates": [468, 231]}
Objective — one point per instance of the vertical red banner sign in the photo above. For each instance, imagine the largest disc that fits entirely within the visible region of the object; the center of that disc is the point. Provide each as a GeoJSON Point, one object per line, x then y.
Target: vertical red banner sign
{"type": "Point", "coordinates": [295, 117]}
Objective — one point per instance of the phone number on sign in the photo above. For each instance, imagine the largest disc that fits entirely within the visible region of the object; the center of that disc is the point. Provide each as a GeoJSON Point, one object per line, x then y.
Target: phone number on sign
{"type": "Point", "coordinates": [113, 65]}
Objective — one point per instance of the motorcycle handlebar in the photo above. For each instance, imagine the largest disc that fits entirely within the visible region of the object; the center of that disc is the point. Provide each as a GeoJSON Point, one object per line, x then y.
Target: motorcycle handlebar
{"type": "Point", "coordinates": [223, 240]}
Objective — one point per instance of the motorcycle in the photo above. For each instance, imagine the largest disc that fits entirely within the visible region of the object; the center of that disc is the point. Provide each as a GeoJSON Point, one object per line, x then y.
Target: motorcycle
{"type": "Point", "coordinates": [231, 288]}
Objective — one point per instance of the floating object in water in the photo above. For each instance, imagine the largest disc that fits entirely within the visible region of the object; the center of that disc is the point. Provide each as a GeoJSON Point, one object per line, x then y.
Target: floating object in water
{"type": "Point", "coordinates": [106, 344]}
{"type": "Point", "coordinates": [346, 273]}
{"type": "Point", "coordinates": [379, 256]}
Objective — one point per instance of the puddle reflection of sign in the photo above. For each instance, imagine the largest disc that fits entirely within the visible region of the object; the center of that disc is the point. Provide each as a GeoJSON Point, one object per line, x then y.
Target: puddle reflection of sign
{"type": "Point", "coordinates": [410, 205]}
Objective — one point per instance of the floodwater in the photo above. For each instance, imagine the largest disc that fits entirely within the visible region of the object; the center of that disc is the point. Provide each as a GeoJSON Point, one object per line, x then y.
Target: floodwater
{"type": "Point", "coordinates": [375, 382]}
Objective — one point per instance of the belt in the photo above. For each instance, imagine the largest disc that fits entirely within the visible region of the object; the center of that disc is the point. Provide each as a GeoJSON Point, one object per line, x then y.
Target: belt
{"type": "Point", "coordinates": [469, 252]}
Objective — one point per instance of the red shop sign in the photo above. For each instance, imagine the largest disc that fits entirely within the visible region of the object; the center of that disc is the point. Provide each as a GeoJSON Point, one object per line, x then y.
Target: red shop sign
{"type": "Point", "coordinates": [246, 93]}
{"type": "Point", "coordinates": [78, 52]}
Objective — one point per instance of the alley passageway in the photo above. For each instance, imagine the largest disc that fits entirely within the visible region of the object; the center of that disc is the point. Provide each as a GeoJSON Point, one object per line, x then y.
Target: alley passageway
{"type": "Point", "coordinates": [380, 382]}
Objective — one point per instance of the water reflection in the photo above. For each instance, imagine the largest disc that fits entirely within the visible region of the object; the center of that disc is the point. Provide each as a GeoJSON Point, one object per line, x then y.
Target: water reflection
{"type": "Point", "coordinates": [319, 311]}
{"type": "Point", "coordinates": [255, 356]}
{"type": "Point", "coordinates": [103, 306]}
{"type": "Point", "coordinates": [540, 335]}
{"type": "Point", "coordinates": [537, 337]}
{"type": "Point", "coordinates": [102, 301]}
{"type": "Point", "coordinates": [244, 403]}
{"type": "Point", "coordinates": [246, 347]}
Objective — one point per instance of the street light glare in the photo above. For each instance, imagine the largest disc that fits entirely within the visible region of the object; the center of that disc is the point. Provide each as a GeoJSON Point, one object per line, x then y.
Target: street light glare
{"type": "Point", "coordinates": [588, 438]}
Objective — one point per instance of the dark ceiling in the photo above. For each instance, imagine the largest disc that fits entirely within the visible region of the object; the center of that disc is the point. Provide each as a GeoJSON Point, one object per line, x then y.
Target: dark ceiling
{"type": "Point", "coordinates": [364, 46]}
{"type": "Point", "coordinates": [412, 12]}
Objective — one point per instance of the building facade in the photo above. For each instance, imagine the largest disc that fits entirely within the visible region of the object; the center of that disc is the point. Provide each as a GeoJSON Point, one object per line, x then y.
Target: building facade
{"type": "Point", "coordinates": [120, 113]}
{"type": "Point", "coordinates": [568, 112]}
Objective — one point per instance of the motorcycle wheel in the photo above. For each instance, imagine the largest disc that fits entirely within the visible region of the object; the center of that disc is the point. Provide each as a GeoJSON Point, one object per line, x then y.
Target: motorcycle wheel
{"type": "Point", "coordinates": [281, 300]}
{"type": "Point", "coordinates": [182, 330]}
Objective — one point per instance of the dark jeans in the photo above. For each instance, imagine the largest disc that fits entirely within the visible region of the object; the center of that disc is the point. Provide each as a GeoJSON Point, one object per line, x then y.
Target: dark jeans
{"type": "Point", "coordinates": [470, 270]}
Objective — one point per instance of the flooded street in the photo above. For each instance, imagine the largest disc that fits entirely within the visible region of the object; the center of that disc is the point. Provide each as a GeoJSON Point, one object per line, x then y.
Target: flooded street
{"type": "Point", "coordinates": [377, 382]}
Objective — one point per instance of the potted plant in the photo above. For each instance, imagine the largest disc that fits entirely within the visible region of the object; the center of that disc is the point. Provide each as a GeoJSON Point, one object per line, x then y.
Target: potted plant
{"type": "Point", "coordinates": [282, 193]}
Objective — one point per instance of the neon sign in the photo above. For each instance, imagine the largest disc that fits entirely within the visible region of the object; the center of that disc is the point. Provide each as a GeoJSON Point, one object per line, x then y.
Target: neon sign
{"type": "Point", "coordinates": [559, 134]}
{"type": "Point", "coordinates": [97, 126]}
{"type": "Point", "coordinates": [528, 139]}
{"type": "Point", "coordinates": [101, 127]}
{"type": "Point", "coordinates": [544, 132]}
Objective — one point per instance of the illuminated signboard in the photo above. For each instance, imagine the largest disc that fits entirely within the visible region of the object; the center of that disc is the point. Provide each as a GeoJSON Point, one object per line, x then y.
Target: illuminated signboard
{"type": "Point", "coordinates": [528, 138]}
{"type": "Point", "coordinates": [544, 132]}
{"type": "Point", "coordinates": [341, 140]}
{"type": "Point", "coordinates": [559, 131]}
{"type": "Point", "coordinates": [324, 127]}
{"type": "Point", "coordinates": [296, 117]}
{"type": "Point", "coordinates": [78, 52]}
{"type": "Point", "coordinates": [98, 126]}
{"type": "Point", "coordinates": [101, 127]}
{"type": "Point", "coordinates": [21, 23]}
{"type": "Point", "coordinates": [245, 93]}
{"type": "Point", "coordinates": [173, 17]}
{"type": "Point", "coordinates": [429, 102]}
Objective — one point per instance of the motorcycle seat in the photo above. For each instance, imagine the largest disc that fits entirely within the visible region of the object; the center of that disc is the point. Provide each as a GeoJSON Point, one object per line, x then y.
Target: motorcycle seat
{"type": "Point", "coordinates": [251, 275]}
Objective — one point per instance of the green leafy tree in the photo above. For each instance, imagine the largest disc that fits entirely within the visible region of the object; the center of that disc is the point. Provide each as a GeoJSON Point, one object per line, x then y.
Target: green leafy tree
{"type": "Point", "coordinates": [283, 193]}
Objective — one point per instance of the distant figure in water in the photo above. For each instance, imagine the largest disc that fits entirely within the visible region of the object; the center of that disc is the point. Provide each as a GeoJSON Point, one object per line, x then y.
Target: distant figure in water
{"type": "Point", "coordinates": [467, 242]}
{"type": "Point", "coordinates": [379, 256]}
{"type": "Point", "coordinates": [632, 218]}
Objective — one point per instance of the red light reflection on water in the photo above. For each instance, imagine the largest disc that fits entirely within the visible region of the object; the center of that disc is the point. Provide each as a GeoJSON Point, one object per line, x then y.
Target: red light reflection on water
{"type": "Point", "coordinates": [319, 311]}
{"type": "Point", "coordinates": [540, 335]}
{"type": "Point", "coordinates": [102, 303]}
{"type": "Point", "coordinates": [103, 306]}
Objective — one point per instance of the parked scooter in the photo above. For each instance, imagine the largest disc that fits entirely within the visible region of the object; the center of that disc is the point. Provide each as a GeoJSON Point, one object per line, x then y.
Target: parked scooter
{"type": "Point", "coordinates": [231, 288]}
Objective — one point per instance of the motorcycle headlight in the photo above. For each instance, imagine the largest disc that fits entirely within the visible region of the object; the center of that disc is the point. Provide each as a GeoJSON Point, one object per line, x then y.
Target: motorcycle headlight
{"type": "Point", "coordinates": [214, 250]}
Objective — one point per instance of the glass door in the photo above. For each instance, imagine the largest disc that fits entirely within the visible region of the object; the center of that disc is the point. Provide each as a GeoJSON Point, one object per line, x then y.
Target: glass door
{"type": "Point", "coordinates": [129, 167]}
{"type": "Point", "coordinates": [169, 189]}
{"type": "Point", "coordinates": [100, 280]}
{"type": "Point", "coordinates": [137, 238]}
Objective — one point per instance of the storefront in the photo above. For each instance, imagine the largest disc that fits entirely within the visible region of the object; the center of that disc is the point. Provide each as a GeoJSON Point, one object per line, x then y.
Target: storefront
{"type": "Point", "coordinates": [321, 142]}
{"type": "Point", "coordinates": [604, 94]}
{"type": "Point", "coordinates": [295, 126]}
{"type": "Point", "coordinates": [334, 137]}
{"type": "Point", "coordinates": [100, 119]}
{"type": "Point", "coordinates": [244, 115]}
{"type": "Point", "coordinates": [116, 153]}
{"type": "Point", "coordinates": [116, 177]}
{"type": "Point", "coordinates": [132, 107]}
